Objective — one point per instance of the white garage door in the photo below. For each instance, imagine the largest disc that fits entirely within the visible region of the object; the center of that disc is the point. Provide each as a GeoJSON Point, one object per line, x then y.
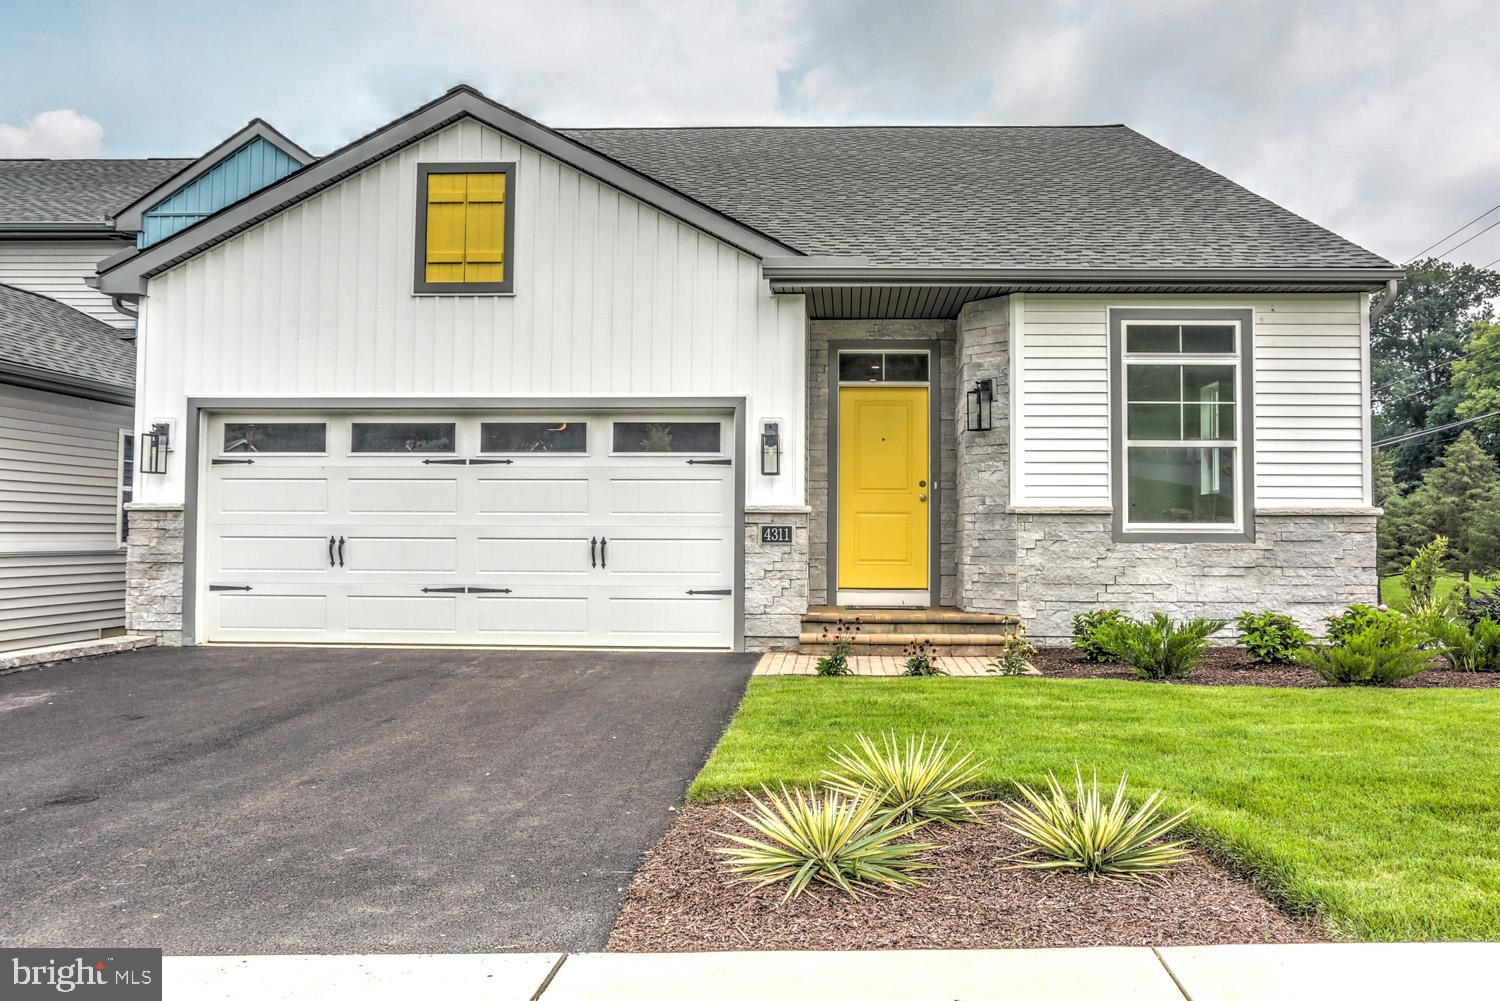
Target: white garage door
{"type": "Point", "coordinates": [582, 529]}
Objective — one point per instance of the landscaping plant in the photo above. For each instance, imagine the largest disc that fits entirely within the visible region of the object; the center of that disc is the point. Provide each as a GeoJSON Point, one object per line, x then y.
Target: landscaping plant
{"type": "Point", "coordinates": [1485, 604]}
{"type": "Point", "coordinates": [910, 781]}
{"type": "Point", "coordinates": [1384, 650]}
{"type": "Point", "coordinates": [1421, 575]}
{"type": "Point", "coordinates": [830, 838]}
{"type": "Point", "coordinates": [1159, 648]}
{"type": "Point", "coordinates": [841, 639]}
{"type": "Point", "coordinates": [1356, 618]}
{"type": "Point", "coordinates": [1085, 834]}
{"type": "Point", "coordinates": [1085, 630]}
{"type": "Point", "coordinates": [1469, 646]}
{"type": "Point", "coordinates": [921, 660]}
{"type": "Point", "coordinates": [1271, 638]}
{"type": "Point", "coordinates": [1015, 660]}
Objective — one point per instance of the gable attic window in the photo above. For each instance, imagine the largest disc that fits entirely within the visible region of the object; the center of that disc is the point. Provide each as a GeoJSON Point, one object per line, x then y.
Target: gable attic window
{"type": "Point", "coordinates": [465, 228]}
{"type": "Point", "coordinates": [1181, 427]}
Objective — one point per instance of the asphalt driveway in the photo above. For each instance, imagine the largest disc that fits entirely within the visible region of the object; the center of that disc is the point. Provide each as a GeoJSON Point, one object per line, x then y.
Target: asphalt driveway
{"type": "Point", "coordinates": [234, 800]}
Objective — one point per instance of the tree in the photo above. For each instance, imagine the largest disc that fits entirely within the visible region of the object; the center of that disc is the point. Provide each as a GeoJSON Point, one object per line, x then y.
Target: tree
{"type": "Point", "coordinates": [1413, 348]}
{"type": "Point", "coordinates": [1476, 380]}
{"type": "Point", "coordinates": [1455, 499]}
{"type": "Point", "coordinates": [1392, 532]}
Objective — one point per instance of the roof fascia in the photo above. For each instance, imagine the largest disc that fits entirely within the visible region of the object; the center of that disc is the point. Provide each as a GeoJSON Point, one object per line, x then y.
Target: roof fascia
{"type": "Point", "coordinates": [804, 272]}
{"type": "Point", "coordinates": [130, 218]}
{"type": "Point", "coordinates": [60, 231]}
{"type": "Point", "coordinates": [32, 377]}
{"type": "Point", "coordinates": [128, 276]}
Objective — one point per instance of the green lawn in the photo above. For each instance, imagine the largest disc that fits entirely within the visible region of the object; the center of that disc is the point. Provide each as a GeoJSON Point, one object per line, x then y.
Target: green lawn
{"type": "Point", "coordinates": [1393, 590]}
{"type": "Point", "coordinates": [1379, 809]}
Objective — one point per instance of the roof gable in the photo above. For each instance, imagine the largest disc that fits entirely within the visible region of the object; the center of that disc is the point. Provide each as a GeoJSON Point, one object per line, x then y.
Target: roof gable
{"type": "Point", "coordinates": [126, 273]}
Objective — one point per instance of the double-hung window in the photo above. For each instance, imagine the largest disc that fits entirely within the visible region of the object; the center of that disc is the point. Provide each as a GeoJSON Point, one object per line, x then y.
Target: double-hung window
{"type": "Point", "coordinates": [465, 228]}
{"type": "Point", "coordinates": [1181, 455]}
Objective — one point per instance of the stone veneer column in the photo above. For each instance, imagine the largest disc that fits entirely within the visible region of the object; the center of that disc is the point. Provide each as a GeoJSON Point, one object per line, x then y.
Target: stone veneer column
{"type": "Point", "coordinates": [985, 531]}
{"type": "Point", "coordinates": [154, 572]}
{"type": "Point", "coordinates": [775, 580]}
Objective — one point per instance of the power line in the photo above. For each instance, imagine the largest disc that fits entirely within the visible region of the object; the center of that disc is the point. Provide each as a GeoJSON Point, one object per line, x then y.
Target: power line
{"type": "Point", "coordinates": [1398, 439]}
{"type": "Point", "coordinates": [1469, 240]}
{"type": "Point", "coordinates": [1450, 236]}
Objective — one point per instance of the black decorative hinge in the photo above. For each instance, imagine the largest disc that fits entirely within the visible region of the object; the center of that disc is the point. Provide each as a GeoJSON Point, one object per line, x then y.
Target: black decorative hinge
{"type": "Point", "coordinates": [467, 462]}
{"type": "Point", "coordinates": [718, 591]}
{"type": "Point", "coordinates": [229, 587]}
{"type": "Point", "coordinates": [466, 590]}
{"type": "Point", "coordinates": [443, 590]}
{"type": "Point", "coordinates": [489, 590]}
{"type": "Point", "coordinates": [710, 462]}
{"type": "Point", "coordinates": [233, 462]}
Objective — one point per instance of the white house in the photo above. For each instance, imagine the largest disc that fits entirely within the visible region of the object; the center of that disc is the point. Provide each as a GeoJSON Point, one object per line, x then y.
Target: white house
{"type": "Point", "coordinates": [473, 380]}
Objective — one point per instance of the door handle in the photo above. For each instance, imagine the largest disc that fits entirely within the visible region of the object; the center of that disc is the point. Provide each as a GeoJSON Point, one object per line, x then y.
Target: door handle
{"type": "Point", "coordinates": [603, 542]}
{"type": "Point", "coordinates": [330, 550]}
{"type": "Point", "coordinates": [922, 498]}
{"type": "Point", "coordinates": [592, 543]}
{"type": "Point", "coordinates": [341, 550]}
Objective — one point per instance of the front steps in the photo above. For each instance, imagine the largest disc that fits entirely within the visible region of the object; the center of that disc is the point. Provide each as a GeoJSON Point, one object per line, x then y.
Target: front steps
{"type": "Point", "coordinates": [888, 632]}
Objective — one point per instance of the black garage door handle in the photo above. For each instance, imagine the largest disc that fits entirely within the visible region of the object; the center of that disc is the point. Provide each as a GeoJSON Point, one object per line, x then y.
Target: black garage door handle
{"type": "Point", "coordinates": [341, 550]}
{"type": "Point", "coordinates": [593, 544]}
{"type": "Point", "coordinates": [330, 550]}
{"type": "Point", "coordinates": [602, 543]}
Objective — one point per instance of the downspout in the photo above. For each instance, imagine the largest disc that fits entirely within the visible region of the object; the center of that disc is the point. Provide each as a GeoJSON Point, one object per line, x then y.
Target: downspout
{"type": "Point", "coordinates": [1378, 308]}
{"type": "Point", "coordinates": [131, 307]}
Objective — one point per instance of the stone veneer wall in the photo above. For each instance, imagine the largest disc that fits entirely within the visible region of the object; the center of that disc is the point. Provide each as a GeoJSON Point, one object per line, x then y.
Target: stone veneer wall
{"type": "Point", "coordinates": [775, 584]}
{"type": "Point", "coordinates": [153, 572]}
{"type": "Point", "coordinates": [1303, 564]}
{"type": "Point", "coordinates": [1048, 566]}
{"type": "Point", "coordinates": [819, 334]}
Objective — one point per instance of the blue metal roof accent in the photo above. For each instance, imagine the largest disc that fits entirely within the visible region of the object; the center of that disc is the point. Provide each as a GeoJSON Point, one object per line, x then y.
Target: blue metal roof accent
{"type": "Point", "coordinates": [244, 172]}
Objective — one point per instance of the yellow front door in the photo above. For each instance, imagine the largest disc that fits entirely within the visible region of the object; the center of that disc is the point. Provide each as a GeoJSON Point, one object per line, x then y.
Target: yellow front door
{"type": "Point", "coordinates": [884, 486]}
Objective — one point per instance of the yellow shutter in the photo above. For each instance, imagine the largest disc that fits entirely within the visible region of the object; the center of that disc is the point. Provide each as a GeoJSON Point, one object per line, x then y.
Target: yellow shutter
{"type": "Point", "coordinates": [466, 227]}
{"type": "Point", "coordinates": [484, 238]}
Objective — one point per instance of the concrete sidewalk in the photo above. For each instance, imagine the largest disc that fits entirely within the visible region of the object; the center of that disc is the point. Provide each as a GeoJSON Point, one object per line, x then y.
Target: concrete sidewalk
{"type": "Point", "coordinates": [1371, 972]}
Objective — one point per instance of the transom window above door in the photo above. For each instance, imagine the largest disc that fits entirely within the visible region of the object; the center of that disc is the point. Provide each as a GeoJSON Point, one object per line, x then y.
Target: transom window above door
{"type": "Point", "coordinates": [883, 366]}
{"type": "Point", "coordinates": [465, 228]}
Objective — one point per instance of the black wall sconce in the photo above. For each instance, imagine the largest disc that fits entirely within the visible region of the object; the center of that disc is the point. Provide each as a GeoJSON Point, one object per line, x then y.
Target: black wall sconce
{"type": "Point", "coordinates": [156, 442]}
{"type": "Point", "coordinates": [770, 448]}
{"type": "Point", "coordinates": [981, 405]}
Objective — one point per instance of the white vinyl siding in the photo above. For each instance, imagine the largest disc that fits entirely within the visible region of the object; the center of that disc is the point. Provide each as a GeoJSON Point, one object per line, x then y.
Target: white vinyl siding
{"type": "Point", "coordinates": [1310, 371]}
{"type": "Point", "coordinates": [613, 298]}
{"type": "Point", "coordinates": [58, 270]}
{"type": "Point", "coordinates": [62, 573]}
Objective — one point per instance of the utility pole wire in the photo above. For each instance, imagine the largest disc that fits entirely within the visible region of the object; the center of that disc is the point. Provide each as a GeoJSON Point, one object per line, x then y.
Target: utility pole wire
{"type": "Point", "coordinates": [1398, 439]}
{"type": "Point", "coordinates": [1450, 236]}
{"type": "Point", "coordinates": [1470, 239]}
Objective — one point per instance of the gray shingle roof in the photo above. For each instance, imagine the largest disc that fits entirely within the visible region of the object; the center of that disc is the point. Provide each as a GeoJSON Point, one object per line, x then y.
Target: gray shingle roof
{"type": "Point", "coordinates": [43, 333]}
{"type": "Point", "coordinates": [76, 190]}
{"type": "Point", "coordinates": [1003, 197]}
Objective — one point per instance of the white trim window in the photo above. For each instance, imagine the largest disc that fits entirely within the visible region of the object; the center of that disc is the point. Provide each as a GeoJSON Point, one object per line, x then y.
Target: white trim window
{"type": "Point", "coordinates": [1183, 448]}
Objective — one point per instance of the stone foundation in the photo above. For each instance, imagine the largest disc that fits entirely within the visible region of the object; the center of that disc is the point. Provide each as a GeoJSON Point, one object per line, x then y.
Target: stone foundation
{"type": "Point", "coordinates": [776, 578]}
{"type": "Point", "coordinates": [153, 573]}
{"type": "Point", "coordinates": [1302, 564]}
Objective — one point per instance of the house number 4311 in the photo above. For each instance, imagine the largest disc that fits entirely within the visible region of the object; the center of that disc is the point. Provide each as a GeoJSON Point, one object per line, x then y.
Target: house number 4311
{"type": "Point", "coordinates": [778, 535]}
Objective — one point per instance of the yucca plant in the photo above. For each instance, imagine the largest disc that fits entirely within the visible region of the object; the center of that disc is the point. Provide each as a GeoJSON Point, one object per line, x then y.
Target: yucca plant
{"type": "Point", "coordinates": [1085, 834]}
{"type": "Point", "coordinates": [910, 782]}
{"type": "Point", "coordinates": [830, 838]}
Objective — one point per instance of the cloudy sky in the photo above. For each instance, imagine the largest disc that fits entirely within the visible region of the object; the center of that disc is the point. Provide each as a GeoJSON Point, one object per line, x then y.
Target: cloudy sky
{"type": "Point", "coordinates": [1377, 119]}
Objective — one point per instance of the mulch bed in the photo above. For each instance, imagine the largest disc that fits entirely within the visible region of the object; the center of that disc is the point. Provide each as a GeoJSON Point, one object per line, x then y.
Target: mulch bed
{"type": "Point", "coordinates": [1232, 666]}
{"type": "Point", "coordinates": [683, 900]}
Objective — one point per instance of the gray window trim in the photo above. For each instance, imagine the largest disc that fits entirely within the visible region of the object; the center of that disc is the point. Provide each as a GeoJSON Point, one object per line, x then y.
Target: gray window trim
{"type": "Point", "coordinates": [1246, 320]}
{"type": "Point", "coordinates": [420, 284]}
{"type": "Point", "coordinates": [934, 455]}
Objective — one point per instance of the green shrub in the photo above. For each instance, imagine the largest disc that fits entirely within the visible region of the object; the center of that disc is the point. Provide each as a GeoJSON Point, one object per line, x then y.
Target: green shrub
{"type": "Point", "coordinates": [1159, 648]}
{"type": "Point", "coordinates": [841, 640]}
{"type": "Point", "coordinates": [830, 839]}
{"type": "Point", "coordinates": [1356, 618]}
{"type": "Point", "coordinates": [911, 781]}
{"type": "Point", "coordinates": [1084, 834]}
{"type": "Point", "coordinates": [1085, 631]}
{"type": "Point", "coordinates": [1271, 638]}
{"type": "Point", "coordinates": [1383, 651]}
{"type": "Point", "coordinates": [1015, 660]}
{"type": "Point", "coordinates": [921, 660]}
{"type": "Point", "coordinates": [1422, 572]}
{"type": "Point", "coordinates": [1469, 646]}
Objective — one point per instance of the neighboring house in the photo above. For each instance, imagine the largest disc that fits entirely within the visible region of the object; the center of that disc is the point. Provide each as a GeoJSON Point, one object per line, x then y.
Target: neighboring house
{"type": "Point", "coordinates": [470, 379]}
{"type": "Point", "coordinates": [67, 361]}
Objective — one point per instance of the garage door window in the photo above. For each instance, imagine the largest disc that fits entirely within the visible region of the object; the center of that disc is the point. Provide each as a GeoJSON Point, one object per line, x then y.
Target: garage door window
{"type": "Point", "coordinates": [666, 436]}
{"type": "Point", "coordinates": [289, 437]}
{"type": "Point", "coordinates": [533, 436]}
{"type": "Point", "coordinates": [401, 437]}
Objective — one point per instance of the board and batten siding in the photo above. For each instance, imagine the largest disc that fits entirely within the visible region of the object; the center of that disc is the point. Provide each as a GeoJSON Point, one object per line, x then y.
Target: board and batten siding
{"type": "Point", "coordinates": [612, 298]}
{"type": "Point", "coordinates": [58, 270]}
{"type": "Point", "coordinates": [62, 570]}
{"type": "Point", "coordinates": [1311, 414]}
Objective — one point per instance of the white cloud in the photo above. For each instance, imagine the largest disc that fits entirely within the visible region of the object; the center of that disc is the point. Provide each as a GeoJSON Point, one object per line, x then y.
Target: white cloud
{"type": "Point", "coordinates": [63, 133]}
